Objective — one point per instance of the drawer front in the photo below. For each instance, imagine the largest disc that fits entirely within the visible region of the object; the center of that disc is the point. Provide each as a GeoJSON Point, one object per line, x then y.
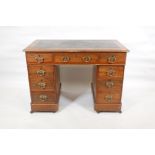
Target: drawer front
{"type": "Point", "coordinates": [39, 58]}
{"type": "Point", "coordinates": [108, 98]}
{"type": "Point", "coordinates": [41, 84]}
{"type": "Point", "coordinates": [112, 58]}
{"type": "Point", "coordinates": [89, 58]}
{"type": "Point", "coordinates": [75, 58]}
{"type": "Point", "coordinates": [41, 71]}
{"type": "Point", "coordinates": [42, 97]}
{"type": "Point", "coordinates": [110, 72]}
{"type": "Point", "coordinates": [109, 86]}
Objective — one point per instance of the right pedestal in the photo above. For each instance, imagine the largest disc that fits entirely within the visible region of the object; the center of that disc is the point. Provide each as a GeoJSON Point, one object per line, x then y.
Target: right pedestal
{"type": "Point", "coordinates": [107, 87]}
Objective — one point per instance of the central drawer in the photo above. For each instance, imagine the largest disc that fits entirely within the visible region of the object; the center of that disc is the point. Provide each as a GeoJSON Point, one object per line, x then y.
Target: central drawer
{"type": "Point", "coordinates": [89, 58]}
{"type": "Point", "coordinates": [75, 58]}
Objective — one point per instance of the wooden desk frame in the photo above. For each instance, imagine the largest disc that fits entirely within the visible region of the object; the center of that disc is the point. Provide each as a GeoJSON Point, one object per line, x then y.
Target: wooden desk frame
{"type": "Point", "coordinates": [43, 58]}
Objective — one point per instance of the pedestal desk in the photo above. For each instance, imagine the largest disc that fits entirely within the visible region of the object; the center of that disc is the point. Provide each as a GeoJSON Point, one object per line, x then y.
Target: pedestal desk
{"type": "Point", "coordinates": [43, 58]}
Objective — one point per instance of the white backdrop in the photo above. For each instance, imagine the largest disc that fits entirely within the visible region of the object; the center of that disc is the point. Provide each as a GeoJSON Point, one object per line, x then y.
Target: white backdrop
{"type": "Point", "coordinates": [76, 102]}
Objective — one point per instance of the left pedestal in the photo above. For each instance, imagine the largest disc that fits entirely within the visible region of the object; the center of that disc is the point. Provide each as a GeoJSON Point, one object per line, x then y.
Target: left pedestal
{"type": "Point", "coordinates": [44, 82]}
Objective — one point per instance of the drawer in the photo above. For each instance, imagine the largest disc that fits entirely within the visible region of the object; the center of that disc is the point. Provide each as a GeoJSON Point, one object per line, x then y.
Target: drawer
{"type": "Point", "coordinates": [38, 58]}
{"type": "Point", "coordinates": [41, 71]}
{"type": "Point", "coordinates": [75, 58]}
{"type": "Point", "coordinates": [109, 86]}
{"type": "Point", "coordinates": [42, 84]}
{"type": "Point", "coordinates": [112, 58]}
{"type": "Point", "coordinates": [110, 72]}
{"type": "Point", "coordinates": [42, 97]}
{"type": "Point", "coordinates": [108, 98]}
{"type": "Point", "coordinates": [90, 58]}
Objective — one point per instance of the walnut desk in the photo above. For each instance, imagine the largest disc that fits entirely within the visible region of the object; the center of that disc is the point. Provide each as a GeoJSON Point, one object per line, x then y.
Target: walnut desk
{"type": "Point", "coordinates": [44, 57]}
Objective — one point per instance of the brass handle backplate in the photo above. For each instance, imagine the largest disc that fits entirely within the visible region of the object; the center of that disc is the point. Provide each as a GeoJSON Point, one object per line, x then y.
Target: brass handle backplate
{"type": "Point", "coordinates": [86, 58]}
{"type": "Point", "coordinates": [39, 59]}
{"type": "Point", "coordinates": [42, 85]}
{"type": "Point", "coordinates": [111, 59]}
{"type": "Point", "coordinates": [108, 98]}
{"type": "Point", "coordinates": [109, 84]}
{"type": "Point", "coordinates": [66, 59]}
{"type": "Point", "coordinates": [43, 98]}
{"type": "Point", "coordinates": [41, 72]}
{"type": "Point", "coordinates": [110, 72]}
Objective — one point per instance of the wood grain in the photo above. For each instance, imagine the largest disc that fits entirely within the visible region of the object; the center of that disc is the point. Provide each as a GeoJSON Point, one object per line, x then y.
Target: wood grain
{"type": "Point", "coordinates": [44, 107]}
{"type": "Point", "coordinates": [44, 57]}
{"type": "Point", "coordinates": [108, 107]}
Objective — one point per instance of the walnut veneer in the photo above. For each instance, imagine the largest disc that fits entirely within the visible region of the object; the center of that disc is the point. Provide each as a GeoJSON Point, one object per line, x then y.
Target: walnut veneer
{"type": "Point", "coordinates": [44, 57]}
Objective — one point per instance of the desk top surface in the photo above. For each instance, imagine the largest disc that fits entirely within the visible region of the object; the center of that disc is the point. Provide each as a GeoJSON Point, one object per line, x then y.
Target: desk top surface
{"type": "Point", "coordinates": [75, 46]}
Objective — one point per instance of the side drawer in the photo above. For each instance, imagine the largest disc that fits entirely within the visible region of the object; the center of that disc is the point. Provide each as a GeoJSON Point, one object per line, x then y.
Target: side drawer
{"type": "Point", "coordinates": [110, 72]}
{"type": "Point", "coordinates": [38, 58]}
{"type": "Point", "coordinates": [109, 86]}
{"type": "Point", "coordinates": [46, 84]}
{"type": "Point", "coordinates": [40, 71]}
{"type": "Point", "coordinates": [42, 97]}
{"type": "Point", "coordinates": [108, 98]}
{"type": "Point", "coordinates": [112, 58]}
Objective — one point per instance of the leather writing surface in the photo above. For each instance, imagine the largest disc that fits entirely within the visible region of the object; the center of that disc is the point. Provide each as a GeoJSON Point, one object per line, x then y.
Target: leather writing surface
{"type": "Point", "coordinates": [56, 45]}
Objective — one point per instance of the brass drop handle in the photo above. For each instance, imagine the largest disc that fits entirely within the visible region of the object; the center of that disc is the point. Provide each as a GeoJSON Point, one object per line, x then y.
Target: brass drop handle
{"type": "Point", "coordinates": [41, 72]}
{"type": "Point", "coordinates": [110, 72]}
{"type": "Point", "coordinates": [42, 85]}
{"type": "Point", "coordinates": [66, 59]}
{"type": "Point", "coordinates": [86, 58]}
{"type": "Point", "coordinates": [39, 59]}
{"type": "Point", "coordinates": [108, 98]}
{"type": "Point", "coordinates": [43, 98]}
{"type": "Point", "coordinates": [111, 59]}
{"type": "Point", "coordinates": [109, 84]}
